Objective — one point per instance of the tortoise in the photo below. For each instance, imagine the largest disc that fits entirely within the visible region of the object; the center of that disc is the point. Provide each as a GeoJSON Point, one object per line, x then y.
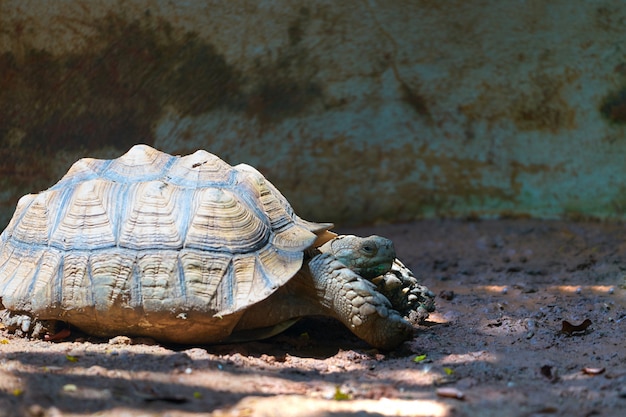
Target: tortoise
{"type": "Point", "coordinates": [192, 250]}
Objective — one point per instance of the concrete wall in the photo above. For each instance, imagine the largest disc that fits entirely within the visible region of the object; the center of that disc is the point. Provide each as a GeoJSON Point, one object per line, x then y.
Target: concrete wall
{"type": "Point", "coordinates": [359, 111]}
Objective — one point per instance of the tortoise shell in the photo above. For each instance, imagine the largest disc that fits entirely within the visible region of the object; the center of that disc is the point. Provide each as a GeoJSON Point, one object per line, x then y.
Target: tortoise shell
{"type": "Point", "coordinates": [151, 233]}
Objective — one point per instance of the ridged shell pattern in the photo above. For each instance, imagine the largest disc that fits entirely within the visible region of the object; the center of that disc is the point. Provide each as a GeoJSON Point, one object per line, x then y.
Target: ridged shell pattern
{"type": "Point", "coordinates": [152, 232]}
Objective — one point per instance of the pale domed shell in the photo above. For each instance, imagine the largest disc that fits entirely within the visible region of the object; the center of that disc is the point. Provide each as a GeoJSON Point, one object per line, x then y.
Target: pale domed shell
{"type": "Point", "coordinates": [152, 232]}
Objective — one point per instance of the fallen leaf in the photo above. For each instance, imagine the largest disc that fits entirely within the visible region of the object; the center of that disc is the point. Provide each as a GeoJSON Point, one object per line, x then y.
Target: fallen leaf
{"type": "Point", "coordinates": [449, 392]}
{"type": "Point", "coordinates": [448, 371]}
{"type": "Point", "coordinates": [593, 371]}
{"type": "Point", "coordinates": [571, 329]}
{"type": "Point", "coordinates": [71, 358]}
{"type": "Point", "coordinates": [339, 395]}
{"type": "Point", "coordinates": [4, 342]}
{"type": "Point", "coordinates": [17, 392]}
{"type": "Point", "coordinates": [419, 358]}
{"type": "Point", "coordinates": [70, 388]}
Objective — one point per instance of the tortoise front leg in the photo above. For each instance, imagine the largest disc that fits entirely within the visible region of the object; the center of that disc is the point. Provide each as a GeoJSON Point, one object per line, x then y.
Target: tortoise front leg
{"type": "Point", "coordinates": [357, 303]}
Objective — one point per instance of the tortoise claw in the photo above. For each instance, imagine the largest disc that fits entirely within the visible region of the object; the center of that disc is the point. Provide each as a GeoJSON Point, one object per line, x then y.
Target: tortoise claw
{"type": "Point", "coordinates": [60, 335]}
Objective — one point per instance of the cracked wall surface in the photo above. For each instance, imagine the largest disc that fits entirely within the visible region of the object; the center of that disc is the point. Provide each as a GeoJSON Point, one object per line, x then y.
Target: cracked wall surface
{"type": "Point", "coordinates": [359, 111]}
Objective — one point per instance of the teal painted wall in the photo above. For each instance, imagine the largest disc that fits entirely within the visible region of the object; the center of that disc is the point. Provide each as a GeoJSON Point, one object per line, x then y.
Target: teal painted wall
{"type": "Point", "coordinates": [359, 111]}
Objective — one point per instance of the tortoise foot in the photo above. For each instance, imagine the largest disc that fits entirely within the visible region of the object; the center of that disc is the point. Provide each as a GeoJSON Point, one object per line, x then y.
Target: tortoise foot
{"type": "Point", "coordinates": [411, 299]}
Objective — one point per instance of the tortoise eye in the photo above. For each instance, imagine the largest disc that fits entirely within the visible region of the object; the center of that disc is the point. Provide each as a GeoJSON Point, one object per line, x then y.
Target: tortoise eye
{"type": "Point", "coordinates": [368, 249]}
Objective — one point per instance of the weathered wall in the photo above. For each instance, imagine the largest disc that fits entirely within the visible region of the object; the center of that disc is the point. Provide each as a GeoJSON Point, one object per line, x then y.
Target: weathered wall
{"type": "Point", "coordinates": [357, 110]}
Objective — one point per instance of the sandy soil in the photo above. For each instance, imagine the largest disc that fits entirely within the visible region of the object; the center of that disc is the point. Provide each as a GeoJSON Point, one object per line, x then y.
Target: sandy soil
{"type": "Point", "coordinates": [496, 346]}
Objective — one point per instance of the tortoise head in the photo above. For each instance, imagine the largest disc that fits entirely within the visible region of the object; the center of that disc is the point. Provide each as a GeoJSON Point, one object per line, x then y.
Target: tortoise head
{"type": "Point", "coordinates": [367, 256]}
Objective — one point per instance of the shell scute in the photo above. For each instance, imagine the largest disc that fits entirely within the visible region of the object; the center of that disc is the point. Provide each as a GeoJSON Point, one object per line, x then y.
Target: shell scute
{"type": "Point", "coordinates": [84, 169]}
{"type": "Point", "coordinates": [76, 291]}
{"type": "Point", "coordinates": [44, 288]}
{"type": "Point", "coordinates": [35, 224]}
{"type": "Point", "coordinates": [141, 163]}
{"type": "Point", "coordinates": [202, 276]}
{"type": "Point", "coordinates": [152, 220]}
{"type": "Point", "coordinates": [222, 222]}
{"type": "Point", "coordinates": [19, 273]}
{"type": "Point", "coordinates": [112, 279]}
{"type": "Point", "coordinates": [84, 222]}
{"type": "Point", "coordinates": [160, 283]}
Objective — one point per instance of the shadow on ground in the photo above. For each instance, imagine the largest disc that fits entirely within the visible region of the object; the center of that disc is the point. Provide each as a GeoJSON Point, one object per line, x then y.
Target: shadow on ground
{"type": "Point", "coordinates": [505, 287]}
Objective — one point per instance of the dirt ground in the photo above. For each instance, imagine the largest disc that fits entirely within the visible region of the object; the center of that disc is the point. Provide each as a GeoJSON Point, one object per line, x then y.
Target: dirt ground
{"type": "Point", "coordinates": [496, 346]}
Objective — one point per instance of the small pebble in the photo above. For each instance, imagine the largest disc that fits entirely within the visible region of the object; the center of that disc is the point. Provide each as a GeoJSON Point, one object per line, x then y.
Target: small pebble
{"type": "Point", "coordinates": [531, 325]}
{"type": "Point", "coordinates": [611, 290]}
{"type": "Point", "coordinates": [579, 290]}
{"type": "Point", "coordinates": [120, 340]}
{"type": "Point", "coordinates": [448, 392]}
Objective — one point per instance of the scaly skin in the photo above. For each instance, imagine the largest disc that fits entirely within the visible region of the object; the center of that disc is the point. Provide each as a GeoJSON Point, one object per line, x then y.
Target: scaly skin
{"type": "Point", "coordinates": [357, 303]}
{"type": "Point", "coordinates": [368, 257]}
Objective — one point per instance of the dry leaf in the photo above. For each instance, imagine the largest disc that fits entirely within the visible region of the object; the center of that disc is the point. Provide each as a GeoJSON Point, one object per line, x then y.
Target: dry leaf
{"type": "Point", "coordinates": [593, 371]}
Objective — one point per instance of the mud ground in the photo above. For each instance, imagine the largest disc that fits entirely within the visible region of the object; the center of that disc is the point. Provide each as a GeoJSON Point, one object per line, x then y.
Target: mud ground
{"type": "Point", "coordinates": [496, 346]}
